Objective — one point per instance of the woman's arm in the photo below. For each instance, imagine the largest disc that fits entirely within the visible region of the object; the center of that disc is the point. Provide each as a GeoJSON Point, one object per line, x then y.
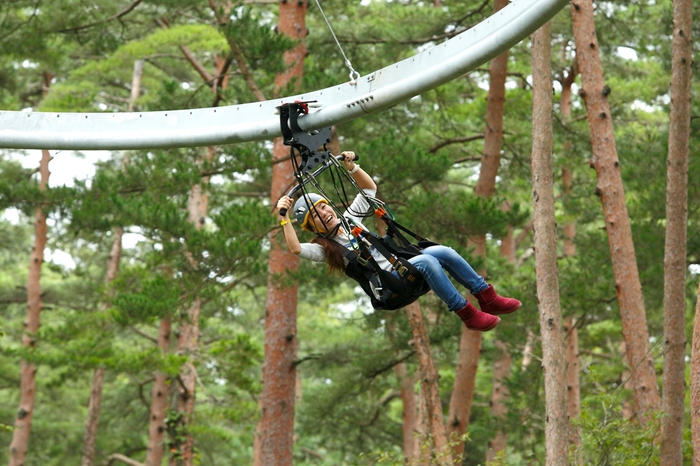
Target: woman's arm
{"type": "Point", "coordinates": [363, 180]}
{"type": "Point", "coordinates": [290, 235]}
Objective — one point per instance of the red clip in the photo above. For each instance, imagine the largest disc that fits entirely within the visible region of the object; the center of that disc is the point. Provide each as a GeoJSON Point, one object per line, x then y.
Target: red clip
{"type": "Point", "coordinates": [380, 212]}
{"type": "Point", "coordinates": [303, 105]}
{"type": "Point", "coordinates": [357, 231]}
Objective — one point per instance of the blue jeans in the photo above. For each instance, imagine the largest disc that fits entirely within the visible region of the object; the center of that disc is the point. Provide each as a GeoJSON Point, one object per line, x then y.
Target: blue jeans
{"type": "Point", "coordinates": [433, 263]}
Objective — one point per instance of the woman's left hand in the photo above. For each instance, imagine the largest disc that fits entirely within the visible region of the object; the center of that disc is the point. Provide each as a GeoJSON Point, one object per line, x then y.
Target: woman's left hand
{"type": "Point", "coordinates": [348, 160]}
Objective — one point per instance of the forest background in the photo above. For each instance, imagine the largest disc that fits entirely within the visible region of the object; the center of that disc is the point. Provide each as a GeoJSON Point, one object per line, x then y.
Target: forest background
{"type": "Point", "coordinates": [426, 154]}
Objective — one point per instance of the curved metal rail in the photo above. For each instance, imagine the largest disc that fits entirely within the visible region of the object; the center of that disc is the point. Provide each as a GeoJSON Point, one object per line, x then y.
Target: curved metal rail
{"type": "Point", "coordinates": [257, 121]}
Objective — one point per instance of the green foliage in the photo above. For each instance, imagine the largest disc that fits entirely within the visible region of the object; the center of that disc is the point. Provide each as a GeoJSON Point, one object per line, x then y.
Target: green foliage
{"type": "Point", "coordinates": [608, 438]}
{"type": "Point", "coordinates": [424, 154]}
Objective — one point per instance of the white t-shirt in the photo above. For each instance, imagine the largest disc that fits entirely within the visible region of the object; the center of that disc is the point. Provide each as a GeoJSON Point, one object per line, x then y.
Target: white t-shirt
{"type": "Point", "coordinates": [360, 206]}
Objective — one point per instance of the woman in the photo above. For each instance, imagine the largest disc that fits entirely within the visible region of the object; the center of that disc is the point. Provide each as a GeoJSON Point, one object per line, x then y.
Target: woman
{"type": "Point", "coordinates": [314, 214]}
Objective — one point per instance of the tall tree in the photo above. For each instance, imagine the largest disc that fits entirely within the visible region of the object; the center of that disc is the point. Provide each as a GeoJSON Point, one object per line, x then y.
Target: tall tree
{"type": "Point", "coordinates": [279, 370]}
{"type": "Point", "coordinates": [617, 223]}
{"type": "Point", "coordinates": [499, 394]}
{"type": "Point", "coordinates": [92, 421]}
{"type": "Point", "coordinates": [429, 386]}
{"type": "Point", "coordinates": [159, 402]}
{"type": "Point", "coordinates": [470, 345]}
{"type": "Point", "coordinates": [676, 235]}
{"type": "Point", "coordinates": [569, 248]}
{"type": "Point", "coordinates": [546, 270]}
{"type": "Point", "coordinates": [695, 383]}
{"type": "Point", "coordinates": [25, 413]}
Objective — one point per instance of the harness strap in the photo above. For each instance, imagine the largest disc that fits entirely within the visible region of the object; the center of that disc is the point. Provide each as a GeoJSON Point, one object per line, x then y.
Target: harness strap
{"type": "Point", "coordinates": [395, 226]}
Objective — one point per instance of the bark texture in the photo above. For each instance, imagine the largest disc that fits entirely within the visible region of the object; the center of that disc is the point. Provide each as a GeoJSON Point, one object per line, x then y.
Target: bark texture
{"type": "Point", "coordinates": [94, 404]}
{"type": "Point", "coordinates": [571, 331]}
{"type": "Point", "coordinates": [408, 398]}
{"type": "Point", "coordinates": [676, 236]}
{"type": "Point", "coordinates": [279, 373]}
{"type": "Point", "coordinates": [470, 344]}
{"type": "Point", "coordinates": [501, 371]}
{"type": "Point", "coordinates": [25, 413]}
{"type": "Point", "coordinates": [617, 222]}
{"type": "Point", "coordinates": [159, 403]}
{"type": "Point", "coordinates": [695, 383]}
{"type": "Point", "coordinates": [573, 385]}
{"type": "Point", "coordinates": [410, 413]}
{"type": "Point", "coordinates": [463, 389]}
{"type": "Point", "coordinates": [546, 270]}
{"type": "Point", "coordinates": [429, 385]}
{"type": "Point", "coordinates": [92, 422]}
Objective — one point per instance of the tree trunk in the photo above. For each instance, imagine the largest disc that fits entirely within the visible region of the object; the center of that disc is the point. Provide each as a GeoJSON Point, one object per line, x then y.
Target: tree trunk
{"type": "Point", "coordinates": [553, 362]}
{"type": "Point", "coordinates": [115, 253]}
{"type": "Point", "coordinates": [570, 329]}
{"type": "Point", "coordinates": [573, 385]}
{"type": "Point", "coordinates": [502, 366]}
{"type": "Point", "coordinates": [93, 418]}
{"type": "Point", "coordinates": [617, 223]}
{"type": "Point", "coordinates": [463, 389]}
{"type": "Point", "coordinates": [465, 377]}
{"type": "Point", "coordinates": [501, 371]}
{"type": "Point", "coordinates": [25, 413]}
{"type": "Point", "coordinates": [695, 383]}
{"type": "Point", "coordinates": [279, 374]}
{"type": "Point", "coordinates": [160, 394]}
{"type": "Point", "coordinates": [569, 228]}
{"type": "Point", "coordinates": [408, 398]}
{"type": "Point", "coordinates": [429, 385]}
{"type": "Point", "coordinates": [676, 236]}
{"type": "Point", "coordinates": [410, 414]}
{"type": "Point", "coordinates": [188, 342]}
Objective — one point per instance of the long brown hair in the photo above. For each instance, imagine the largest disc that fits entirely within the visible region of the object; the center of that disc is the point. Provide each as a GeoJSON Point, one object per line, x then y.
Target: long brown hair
{"type": "Point", "coordinates": [335, 253]}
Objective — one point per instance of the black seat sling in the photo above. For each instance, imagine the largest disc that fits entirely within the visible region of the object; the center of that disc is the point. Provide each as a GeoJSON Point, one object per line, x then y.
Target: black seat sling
{"type": "Point", "coordinates": [386, 290]}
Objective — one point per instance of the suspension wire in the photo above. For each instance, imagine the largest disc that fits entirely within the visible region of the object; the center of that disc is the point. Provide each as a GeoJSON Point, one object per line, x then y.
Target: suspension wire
{"type": "Point", "coordinates": [354, 75]}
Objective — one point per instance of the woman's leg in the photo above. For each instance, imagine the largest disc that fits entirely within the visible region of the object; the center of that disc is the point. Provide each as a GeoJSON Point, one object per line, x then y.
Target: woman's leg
{"type": "Point", "coordinates": [431, 270]}
{"type": "Point", "coordinates": [458, 268]}
{"type": "Point", "coordinates": [433, 273]}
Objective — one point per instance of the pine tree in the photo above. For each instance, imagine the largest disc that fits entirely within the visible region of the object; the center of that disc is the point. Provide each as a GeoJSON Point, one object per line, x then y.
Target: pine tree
{"type": "Point", "coordinates": [551, 325]}
{"type": "Point", "coordinates": [675, 251]}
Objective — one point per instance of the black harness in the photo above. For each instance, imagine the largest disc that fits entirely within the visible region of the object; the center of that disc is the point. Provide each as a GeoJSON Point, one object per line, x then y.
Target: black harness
{"type": "Point", "coordinates": [387, 290]}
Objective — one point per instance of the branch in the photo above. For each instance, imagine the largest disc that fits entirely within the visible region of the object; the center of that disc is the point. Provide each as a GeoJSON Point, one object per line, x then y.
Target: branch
{"type": "Point", "coordinates": [436, 37]}
{"type": "Point", "coordinates": [238, 56]}
{"type": "Point", "coordinates": [143, 334]}
{"type": "Point", "coordinates": [383, 402]}
{"type": "Point", "coordinates": [455, 141]}
{"type": "Point", "coordinates": [124, 459]}
{"type": "Point", "coordinates": [124, 12]}
{"type": "Point", "coordinates": [310, 357]}
{"type": "Point", "coordinates": [143, 398]}
{"type": "Point", "coordinates": [390, 365]}
{"type": "Point", "coordinates": [29, 18]}
{"type": "Point", "coordinates": [524, 233]}
{"type": "Point", "coordinates": [206, 76]}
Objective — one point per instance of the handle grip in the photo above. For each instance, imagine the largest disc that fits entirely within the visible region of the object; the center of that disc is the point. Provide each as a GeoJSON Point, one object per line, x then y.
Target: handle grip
{"type": "Point", "coordinates": [296, 188]}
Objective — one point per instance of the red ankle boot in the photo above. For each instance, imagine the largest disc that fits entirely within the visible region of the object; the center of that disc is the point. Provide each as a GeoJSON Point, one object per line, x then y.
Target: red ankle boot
{"type": "Point", "coordinates": [476, 320]}
{"type": "Point", "coordinates": [493, 304]}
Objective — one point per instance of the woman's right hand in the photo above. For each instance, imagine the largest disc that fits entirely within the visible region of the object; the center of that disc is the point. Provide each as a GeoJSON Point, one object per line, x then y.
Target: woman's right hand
{"type": "Point", "coordinates": [285, 202]}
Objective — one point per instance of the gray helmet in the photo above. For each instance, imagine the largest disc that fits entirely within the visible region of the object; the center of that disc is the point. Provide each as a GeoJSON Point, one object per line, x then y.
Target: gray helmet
{"type": "Point", "coordinates": [303, 206]}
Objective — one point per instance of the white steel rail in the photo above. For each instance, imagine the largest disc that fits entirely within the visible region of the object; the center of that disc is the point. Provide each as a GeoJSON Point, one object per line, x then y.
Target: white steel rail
{"type": "Point", "coordinates": [258, 121]}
